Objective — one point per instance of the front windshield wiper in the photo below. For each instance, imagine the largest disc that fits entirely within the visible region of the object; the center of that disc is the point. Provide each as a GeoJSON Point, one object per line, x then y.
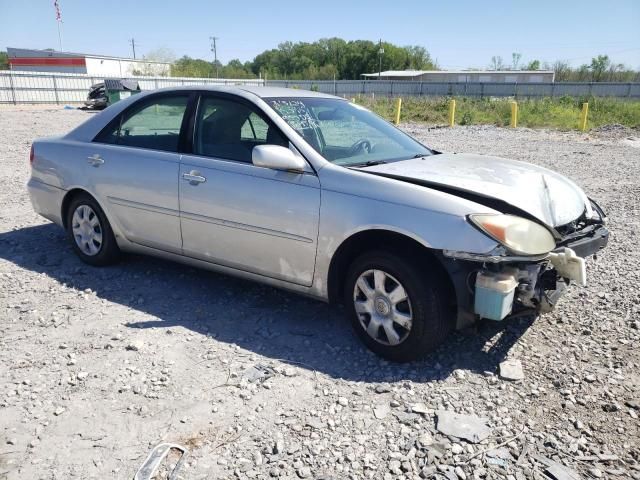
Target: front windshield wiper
{"type": "Point", "coordinates": [370, 163]}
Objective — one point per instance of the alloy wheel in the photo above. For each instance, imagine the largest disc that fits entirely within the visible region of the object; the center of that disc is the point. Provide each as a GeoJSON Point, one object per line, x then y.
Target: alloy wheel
{"type": "Point", "coordinates": [87, 231]}
{"type": "Point", "coordinates": [383, 307]}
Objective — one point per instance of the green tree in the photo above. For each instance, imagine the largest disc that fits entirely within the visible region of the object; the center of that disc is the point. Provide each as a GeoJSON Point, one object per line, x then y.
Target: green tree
{"type": "Point", "coordinates": [236, 69]}
{"type": "Point", "coordinates": [496, 63]}
{"type": "Point", "coordinates": [562, 70]}
{"type": "Point", "coordinates": [533, 65]}
{"type": "Point", "coordinates": [163, 55]}
{"type": "Point", "coordinates": [582, 74]}
{"type": "Point", "coordinates": [599, 66]}
{"type": "Point", "coordinates": [330, 58]}
{"type": "Point", "coordinates": [192, 67]}
{"type": "Point", "coordinates": [419, 58]}
{"type": "Point", "coordinates": [158, 55]}
{"type": "Point", "coordinates": [515, 60]}
{"type": "Point", "coordinates": [4, 61]}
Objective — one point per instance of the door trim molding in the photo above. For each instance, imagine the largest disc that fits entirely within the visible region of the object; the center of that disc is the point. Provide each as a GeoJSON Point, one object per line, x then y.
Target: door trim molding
{"type": "Point", "coordinates": [241, 226]}
{"type": "Point", "coordinates": [143, 206]}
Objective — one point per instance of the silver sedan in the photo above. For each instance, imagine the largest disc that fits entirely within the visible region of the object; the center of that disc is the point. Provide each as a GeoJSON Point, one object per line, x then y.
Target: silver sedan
{"type": "Point", "coordinates": [318, 195]}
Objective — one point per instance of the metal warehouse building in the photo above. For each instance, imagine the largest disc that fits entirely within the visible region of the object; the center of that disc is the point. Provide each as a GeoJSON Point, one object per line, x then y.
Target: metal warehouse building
{"type": "Point", "coordinates": [466, 76]}
{"type": "Point", "coordinates": [22, 59]}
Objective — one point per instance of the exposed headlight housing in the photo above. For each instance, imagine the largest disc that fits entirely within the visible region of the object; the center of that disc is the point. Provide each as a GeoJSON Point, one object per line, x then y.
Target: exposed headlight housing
{"type": "Point", "coordinates": [518, 234]}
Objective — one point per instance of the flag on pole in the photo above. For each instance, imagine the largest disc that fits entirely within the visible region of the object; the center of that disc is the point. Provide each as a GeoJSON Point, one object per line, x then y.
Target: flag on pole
{"type": "Point", "coordinates": [58, 13]}
{"type": "Point", "coordinates": [56, 5]}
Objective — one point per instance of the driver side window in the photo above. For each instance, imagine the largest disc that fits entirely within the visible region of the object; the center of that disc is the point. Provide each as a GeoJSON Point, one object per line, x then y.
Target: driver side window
{"type": "Point", "coordinates": [230, 129]}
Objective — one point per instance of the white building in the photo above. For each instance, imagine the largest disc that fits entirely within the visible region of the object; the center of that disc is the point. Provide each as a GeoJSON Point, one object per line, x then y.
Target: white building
{"type": "Point", "coordinates": [23, 59]}
{"type": "Point", "coordinates": [466, 76]}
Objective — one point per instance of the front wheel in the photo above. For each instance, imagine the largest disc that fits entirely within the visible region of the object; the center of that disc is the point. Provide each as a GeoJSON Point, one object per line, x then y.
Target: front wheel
{"type": "Point", "coordinates": [395, 306]}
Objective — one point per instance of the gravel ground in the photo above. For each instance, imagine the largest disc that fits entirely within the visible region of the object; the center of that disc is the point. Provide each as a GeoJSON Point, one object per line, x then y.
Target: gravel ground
{"type": "Point", "coordinates": [99, 365]}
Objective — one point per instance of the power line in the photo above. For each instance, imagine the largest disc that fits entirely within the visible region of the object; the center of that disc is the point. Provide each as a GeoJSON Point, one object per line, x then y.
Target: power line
{"type": "Point", "coordinates": [215, 52]}
{"type": "Point", "coordinates": [132, 42]}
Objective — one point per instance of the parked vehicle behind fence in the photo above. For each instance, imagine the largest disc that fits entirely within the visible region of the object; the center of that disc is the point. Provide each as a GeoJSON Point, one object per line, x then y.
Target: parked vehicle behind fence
{"type": "Point", "coordinates": [106, 93]}
{"type": "Point", "coordinates": [315, 194]}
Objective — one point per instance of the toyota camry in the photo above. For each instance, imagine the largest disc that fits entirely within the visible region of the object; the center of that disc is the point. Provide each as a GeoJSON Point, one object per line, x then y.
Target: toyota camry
{"type": "Point", "coordinates": [318, 195]}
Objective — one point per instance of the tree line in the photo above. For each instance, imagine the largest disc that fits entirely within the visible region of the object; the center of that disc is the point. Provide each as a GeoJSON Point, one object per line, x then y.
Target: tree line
{"type": "Point", "coordinates": [324, 59]}
{"type": "Point", "coordinates": [331, 58]}
{"type": "Point", "coordinates": [335, 58]}
{"type": "Point", "coordinates": [601, 69]}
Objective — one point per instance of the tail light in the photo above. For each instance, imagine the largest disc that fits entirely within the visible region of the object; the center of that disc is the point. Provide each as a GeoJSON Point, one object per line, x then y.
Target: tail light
{"type": "Point", "coordinates": [31, 155]}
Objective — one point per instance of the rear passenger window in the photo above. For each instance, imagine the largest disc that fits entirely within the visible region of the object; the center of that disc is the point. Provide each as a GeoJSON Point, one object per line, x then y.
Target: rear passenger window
{"type": "Point", "coordinates": [228, 129]}
{"type": "Point", "coordinates": [155, 125]}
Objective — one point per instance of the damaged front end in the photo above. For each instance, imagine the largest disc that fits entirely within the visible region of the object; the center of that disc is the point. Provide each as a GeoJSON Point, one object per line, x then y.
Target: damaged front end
{"type": "Point", "coordinates": [502, 283]}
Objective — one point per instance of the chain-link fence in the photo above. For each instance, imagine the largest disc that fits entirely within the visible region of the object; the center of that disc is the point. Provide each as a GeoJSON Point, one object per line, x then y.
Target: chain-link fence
{"type": "Point", "coordinates": [61, 88]}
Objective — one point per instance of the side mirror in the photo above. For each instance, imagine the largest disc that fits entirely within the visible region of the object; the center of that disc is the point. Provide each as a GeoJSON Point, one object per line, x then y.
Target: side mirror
{"type": "Point", "coordinates": [277, 158]}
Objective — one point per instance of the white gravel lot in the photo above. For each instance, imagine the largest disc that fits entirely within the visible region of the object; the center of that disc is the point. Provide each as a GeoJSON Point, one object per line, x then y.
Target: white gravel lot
{"type": "Point", "coordinates": [99, 365]}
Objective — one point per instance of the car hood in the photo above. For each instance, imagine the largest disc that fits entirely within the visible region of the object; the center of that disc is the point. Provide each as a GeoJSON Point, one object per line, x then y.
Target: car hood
{"type": "Point", "coordinates": [541, 193]}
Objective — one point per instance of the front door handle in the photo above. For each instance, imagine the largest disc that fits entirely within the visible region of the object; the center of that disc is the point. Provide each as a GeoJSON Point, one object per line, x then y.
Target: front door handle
{"type": "Point", "coordinates": [95, 160]}
{"type": "Point", "coordinates": [194, 177]}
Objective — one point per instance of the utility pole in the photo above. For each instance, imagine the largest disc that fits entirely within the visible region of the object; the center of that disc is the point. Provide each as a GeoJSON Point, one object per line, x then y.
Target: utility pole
{"type": "Point", "coordinates": [380, 53]}
{"type": "Point", "coordinates": [132, 42]}
{"type": "Point", "coordinates": [215, 53]}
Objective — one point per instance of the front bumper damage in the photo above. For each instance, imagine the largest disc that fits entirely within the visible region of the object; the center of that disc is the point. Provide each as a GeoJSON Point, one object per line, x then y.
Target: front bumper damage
{"type": "Point", "coordinates": [499, 285]}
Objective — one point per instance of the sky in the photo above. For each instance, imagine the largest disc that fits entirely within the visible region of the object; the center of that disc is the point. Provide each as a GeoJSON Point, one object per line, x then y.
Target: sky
{"type": "Point", "coordinates": [457, 33]}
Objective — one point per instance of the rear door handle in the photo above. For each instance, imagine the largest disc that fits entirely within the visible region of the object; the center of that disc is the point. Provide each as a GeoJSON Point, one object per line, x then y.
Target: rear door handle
{"type": "Point", "coordinates": [194, 177]}
{"type": "Point", "coordinates": [95, 160]}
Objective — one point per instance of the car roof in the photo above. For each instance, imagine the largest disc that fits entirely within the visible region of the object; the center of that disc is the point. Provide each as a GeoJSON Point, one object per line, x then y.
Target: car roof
{"type": "Point", "coordinates": [89, 129]}
{"type": "Point", "coordinates": [260, 91]}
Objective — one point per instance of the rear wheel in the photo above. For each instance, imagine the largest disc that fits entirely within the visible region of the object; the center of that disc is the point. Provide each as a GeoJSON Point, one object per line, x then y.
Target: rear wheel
{"type": "Point", "coordinates": [396, 306]}
{"type": "Point", "coordinates": [90, 232]}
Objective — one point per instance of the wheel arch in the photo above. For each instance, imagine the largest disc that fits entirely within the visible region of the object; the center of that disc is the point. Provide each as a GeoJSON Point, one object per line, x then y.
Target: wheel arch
{"type": "Point", "coordinates": [73, 193]}
{"type": "Point", "coordinates": [382, 239]}
{"type": "Point", "coordinates": [66, 201]}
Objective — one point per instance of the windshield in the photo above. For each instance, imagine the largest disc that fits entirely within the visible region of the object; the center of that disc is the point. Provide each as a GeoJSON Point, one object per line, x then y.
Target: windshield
{"type": "Point", "coordinates": [345, 133]}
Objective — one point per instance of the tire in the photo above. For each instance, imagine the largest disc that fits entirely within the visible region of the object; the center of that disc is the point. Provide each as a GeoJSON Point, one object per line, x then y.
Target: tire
{"type": "Point", "coordinates": [425, 304]}
{"type": "Point", "coordinates": [90, 233]}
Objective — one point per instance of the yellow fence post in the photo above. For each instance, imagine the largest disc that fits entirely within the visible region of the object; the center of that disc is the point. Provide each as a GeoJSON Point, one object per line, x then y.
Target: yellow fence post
{"type": "Point", "coordinates": [452, 113]}
{"type": "Point", "coordinates": [514, 114]}
{"type": "Point", "coordinates": [583, 116]}
{"type": "Point", "coordinates": [398, 108]}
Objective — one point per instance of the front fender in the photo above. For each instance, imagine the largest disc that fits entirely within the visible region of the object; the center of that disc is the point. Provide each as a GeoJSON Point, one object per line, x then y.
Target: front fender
{"type": "Point", "coordinates": [344, 215]}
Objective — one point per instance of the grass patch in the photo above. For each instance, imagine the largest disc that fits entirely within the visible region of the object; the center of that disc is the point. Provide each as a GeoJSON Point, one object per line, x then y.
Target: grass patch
{"type": "Point", "coordinates": [562, 113]}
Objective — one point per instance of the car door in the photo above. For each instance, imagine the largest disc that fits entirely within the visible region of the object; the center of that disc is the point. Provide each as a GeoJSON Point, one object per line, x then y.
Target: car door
{"type": "Point", "coordinates": [239, 215]}
{"type": "Point", "coordinates": [133, 168]}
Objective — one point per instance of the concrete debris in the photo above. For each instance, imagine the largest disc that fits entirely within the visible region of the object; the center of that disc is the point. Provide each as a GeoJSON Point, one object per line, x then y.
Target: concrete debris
{"type": "Point", "coordinates": [501, 452]}
{"type": "Point", "coordinates": [152, 463]}
{"type": "Point", "coordinates": [468, 427]}
{"type": "Point", "coordinates": [258, 373]}
{"type": "Point", "coordinates": [511, 370]}
{"type": "Point", "coordinates": [420, 408]}
{"type": "Point", "coordinates": [557, 471]}
{"type": "Point", "coordinates": [381, 411]}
